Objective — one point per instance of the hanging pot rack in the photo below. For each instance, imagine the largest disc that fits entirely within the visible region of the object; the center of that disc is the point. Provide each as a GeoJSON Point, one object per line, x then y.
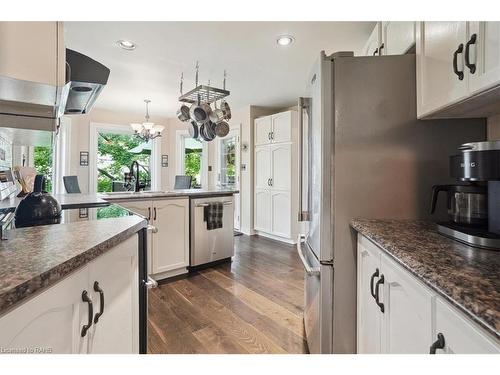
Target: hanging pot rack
{"type": "Point", "coordinates": [203, 93]}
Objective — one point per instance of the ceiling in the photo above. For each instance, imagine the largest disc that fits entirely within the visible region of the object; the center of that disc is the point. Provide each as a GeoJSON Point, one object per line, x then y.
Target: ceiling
{"type": "Point", "coordinates": [260, 72]}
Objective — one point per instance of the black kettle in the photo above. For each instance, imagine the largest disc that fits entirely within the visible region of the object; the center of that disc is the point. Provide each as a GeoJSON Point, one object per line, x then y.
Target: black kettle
{"type": "Point", "coordinates": [38, 207]}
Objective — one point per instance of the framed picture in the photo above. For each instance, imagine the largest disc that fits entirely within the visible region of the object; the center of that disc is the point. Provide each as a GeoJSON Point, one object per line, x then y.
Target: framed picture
{"type": "Point", "coordinates": [83, 213]}
{"type": "Point", "coordinates": [84, 158]}
{"type": "Point", "coordinates": [164, 161]}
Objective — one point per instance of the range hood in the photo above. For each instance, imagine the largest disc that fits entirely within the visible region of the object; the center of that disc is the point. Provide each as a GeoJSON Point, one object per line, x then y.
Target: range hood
{"type": "Point", "coordinates": [38, 106]}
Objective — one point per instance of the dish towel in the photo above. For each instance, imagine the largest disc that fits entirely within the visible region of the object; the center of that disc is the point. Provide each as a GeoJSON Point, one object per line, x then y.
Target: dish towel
{"type": "Point", "coordinates": [212, 215]}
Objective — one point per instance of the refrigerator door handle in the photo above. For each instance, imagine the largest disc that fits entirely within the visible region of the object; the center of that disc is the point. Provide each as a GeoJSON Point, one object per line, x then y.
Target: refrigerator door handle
{"type": "Point", "coordinates": [304, 104]}
{"type": "Point", "coordinates": [310, 271]}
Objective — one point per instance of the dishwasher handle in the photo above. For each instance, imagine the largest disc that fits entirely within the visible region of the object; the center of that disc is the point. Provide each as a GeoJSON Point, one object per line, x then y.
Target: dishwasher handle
{"type": "Point", "coordinates": [206, 204]}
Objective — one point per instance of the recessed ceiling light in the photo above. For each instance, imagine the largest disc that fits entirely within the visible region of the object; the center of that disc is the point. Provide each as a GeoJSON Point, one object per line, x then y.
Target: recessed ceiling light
{"type": "Point", "coordinates": [126, 44]}
{"type": "Point", "coordinates": [285, 40]}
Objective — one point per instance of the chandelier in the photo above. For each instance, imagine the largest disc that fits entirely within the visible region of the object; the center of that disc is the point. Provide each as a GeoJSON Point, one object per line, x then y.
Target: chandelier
{"type": "Point", "coordinates": [147, 130]}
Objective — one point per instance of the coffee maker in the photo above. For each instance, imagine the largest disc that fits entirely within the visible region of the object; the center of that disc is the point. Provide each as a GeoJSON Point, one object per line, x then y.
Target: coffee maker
{"type": "Point", "coordinates": [473, 208]}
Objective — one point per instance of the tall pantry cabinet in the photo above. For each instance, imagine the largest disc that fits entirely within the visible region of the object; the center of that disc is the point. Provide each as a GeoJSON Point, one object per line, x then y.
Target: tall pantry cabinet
{"type": "Point", "coordinates": [275, 160]}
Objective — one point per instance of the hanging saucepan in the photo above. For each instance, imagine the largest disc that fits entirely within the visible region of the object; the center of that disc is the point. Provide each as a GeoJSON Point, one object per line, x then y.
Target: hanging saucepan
{"type": "Point", "coordinates": [226, 110]}
{"type": "Point", "coordinates": [217, 114]}
{"type": "Point", "coordinates": [200, 113]}
{"type": "Point", "coordinates": [222, 129]}
{"type": "Point", "coordinates": [204, 134]}
{"type": "Point", "coordinates": [193, 130]}
{"type": "Point", "coordinates": [183, 113]}
{"type": "Point", "coordinates": [210, 130]}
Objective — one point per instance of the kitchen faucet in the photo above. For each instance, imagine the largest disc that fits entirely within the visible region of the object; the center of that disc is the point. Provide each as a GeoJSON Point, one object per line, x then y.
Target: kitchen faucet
{"type": "Point", "coordinates": [128, 176]}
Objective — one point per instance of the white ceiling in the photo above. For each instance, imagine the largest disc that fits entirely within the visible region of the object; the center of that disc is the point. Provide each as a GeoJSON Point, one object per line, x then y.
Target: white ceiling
{"type": "Point", "coordinates": [259, 71]}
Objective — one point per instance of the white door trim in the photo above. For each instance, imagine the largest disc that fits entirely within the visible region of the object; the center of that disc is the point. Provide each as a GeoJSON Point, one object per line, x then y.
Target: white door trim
{"type": "Point", "coordinates": [179, 159]}
{"type": "Point", "coordinates": [95, 128]}
{"type": "Point", "coordinates": [61, 156]}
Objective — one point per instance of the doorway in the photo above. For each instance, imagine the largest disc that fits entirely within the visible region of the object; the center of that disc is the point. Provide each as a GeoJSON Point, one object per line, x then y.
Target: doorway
{"type": "Point", "coordinates": [228, 168]}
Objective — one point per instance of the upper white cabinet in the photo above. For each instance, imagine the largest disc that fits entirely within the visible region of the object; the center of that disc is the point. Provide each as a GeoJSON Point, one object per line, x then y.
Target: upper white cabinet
{"type": "Point", "coordinates": [168, 247]}
{"type": "Point", "coordinates": [33, 51]}
{"type": "Point", "coordinates": [396, 313]}
{"type": "Point", "coordinates": [484, 55]}
{"type": "Point", "coordinates": [455, 62]}
{"type": "Point", "coordinates": [76, 315]}
{"type": "Point", "coordinates": [398, 37]}
{"type": "Point", "coordinates": [374, 42]}
{"type": "Point", "coordinates": [275, 193]}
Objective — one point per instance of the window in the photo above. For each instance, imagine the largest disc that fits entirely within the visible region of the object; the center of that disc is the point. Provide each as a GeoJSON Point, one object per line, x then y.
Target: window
{"type": "Point", "coordinates": [227, 152]}
{"type": "Point", "coordinates": [115, 154]}
{"type": "Point", "coordinates": [42, 161]}
{"type": "Point", "coordinates": [191, 159]}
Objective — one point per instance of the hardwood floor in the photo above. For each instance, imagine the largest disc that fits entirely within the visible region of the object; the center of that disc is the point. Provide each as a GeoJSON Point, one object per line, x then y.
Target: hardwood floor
{"type": "Point", "coordinates": [253, 305]}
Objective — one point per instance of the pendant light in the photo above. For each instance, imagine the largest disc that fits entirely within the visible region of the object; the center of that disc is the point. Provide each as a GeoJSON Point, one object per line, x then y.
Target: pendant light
{"type": "Point", "coordinates": [147, 130]}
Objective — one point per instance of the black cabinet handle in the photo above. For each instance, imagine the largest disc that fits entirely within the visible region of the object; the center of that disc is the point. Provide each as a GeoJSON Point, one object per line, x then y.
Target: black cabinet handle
{"type": "Point", "coordinates": [271, 182]}
{"type": "Point", "coordinates": [438, 344]}
{"type": "Point", "coordinates": [154, 218]}
{"type": "Point", "coordinates": [268, 182]}
{"type": "Point", "coordinates": [272, 135]}
{"type": "Point", "coordinates": [372, 279]}
{"type": "Point", "coordinates": [375, 52]}
{"type": "Point", "coordinates": [380, 49]}
{"type": "Point", "coordinates": [460, 74]}
{"type": "Point", "coordinates": [269, 136]}
{"type": "Point", "coordinates": [149, 213]}
{"type": "Point", "coordinates": [86, 298]}
{"type": "Point", "coordinates": [98, 289]}
{"type": "Point", "coordinates": [377, 288]}
{"type": "Point", "coordinates": [472, 40]}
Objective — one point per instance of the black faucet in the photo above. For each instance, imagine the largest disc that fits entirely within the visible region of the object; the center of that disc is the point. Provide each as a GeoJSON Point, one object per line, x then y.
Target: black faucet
{"type": "Point", "coordinates": [128, 176]}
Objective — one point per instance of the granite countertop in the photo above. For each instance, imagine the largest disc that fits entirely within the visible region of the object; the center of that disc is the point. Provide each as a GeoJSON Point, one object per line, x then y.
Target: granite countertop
{"type": "Point", "coordinates": [37, 257]}
{"type": "Point", "coordinates": [66, 201]}
{"type": "Point", "coordinates": [165, 194]}
{"type": "Point", "coordinates": [467, 277]}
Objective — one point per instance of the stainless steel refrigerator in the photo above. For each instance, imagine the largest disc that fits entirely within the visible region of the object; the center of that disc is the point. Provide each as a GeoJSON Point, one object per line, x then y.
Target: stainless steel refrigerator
{"type": "Point", "coordinates": [362, 153]}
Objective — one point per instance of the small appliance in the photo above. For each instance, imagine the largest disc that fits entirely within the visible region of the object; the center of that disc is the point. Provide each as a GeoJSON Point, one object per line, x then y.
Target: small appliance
{"type": "Point", "coordinates": [474, 209]}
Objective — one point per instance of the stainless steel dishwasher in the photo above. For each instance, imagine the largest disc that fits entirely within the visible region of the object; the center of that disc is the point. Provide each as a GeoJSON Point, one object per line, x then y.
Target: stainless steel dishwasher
{"type": "Point", "coordinates": [211, 245]}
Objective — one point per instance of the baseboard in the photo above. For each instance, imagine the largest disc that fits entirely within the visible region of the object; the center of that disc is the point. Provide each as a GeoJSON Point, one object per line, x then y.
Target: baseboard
{"type": "Point", "coordinates": [167, 274]}
{"type": "Point", "coordinates": [276, 238]}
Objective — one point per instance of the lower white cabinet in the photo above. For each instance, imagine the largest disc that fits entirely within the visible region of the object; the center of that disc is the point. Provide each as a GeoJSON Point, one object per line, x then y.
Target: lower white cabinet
{"type": "Point", "coordinates": [54, 320]}
{"type": "Point", "coordinates": [396, 313]}
{"type": "Point", "coordinates": [168, 247]}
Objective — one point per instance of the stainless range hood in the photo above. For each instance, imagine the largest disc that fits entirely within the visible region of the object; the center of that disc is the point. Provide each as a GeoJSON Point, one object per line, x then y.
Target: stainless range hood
{"type": "Point", "coordinates": [38, 106]}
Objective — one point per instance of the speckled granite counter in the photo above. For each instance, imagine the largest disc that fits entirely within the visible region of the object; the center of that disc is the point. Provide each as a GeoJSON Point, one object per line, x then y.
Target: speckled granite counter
{"type": "Point", "coordinates": [36, 257]}
{"type": "Point", "coordinates": [66, 201]}
{"type": "Point", "coordinates": [469, 278]}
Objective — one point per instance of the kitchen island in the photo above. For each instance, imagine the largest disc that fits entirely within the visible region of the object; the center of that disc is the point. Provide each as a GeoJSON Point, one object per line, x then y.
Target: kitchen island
{"type": "Point", "coordinates": [56, 279]}
{"type": "Point", "coordinates": [420, 285]}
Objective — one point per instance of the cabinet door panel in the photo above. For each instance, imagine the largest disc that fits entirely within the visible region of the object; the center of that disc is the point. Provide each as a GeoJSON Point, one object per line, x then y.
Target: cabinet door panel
{"type": "Point", "coordinates": [282, 127]}
{"type": "Point", "coordinates": [438, 85]}
{"type": "Point", "coordinates": [262, 216]}
{"type": "Point", "coordinates": [407, 326]}
{"type": "Point", "coordinates": [399, 37]}
{"type": "Point", "coordinates": [262, 167]}
{"type": "Point", "coordinates": [368, 314]}
{"type": "Point", "coordinates": [171, 242]}
{"type": "Point", "coordinates": [52, 320]}
{"type": "Point", "coordinates": [485, 54]}
{"type": "Point", "coordinates": [460, 336]}
{"type": "Point", "coordinates": [263, 130]}
{"type": "Point", "coordinates": [281, 167]}
{"type": "Point", "coordinates": [373, 43]}
{"type": "Point", "coordinates": [280, 213]}
{"type": "Point", "coordinates": [117, 329]}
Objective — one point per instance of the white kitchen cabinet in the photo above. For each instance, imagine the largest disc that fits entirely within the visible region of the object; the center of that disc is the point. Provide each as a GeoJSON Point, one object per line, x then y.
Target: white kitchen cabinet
{"type": "Point", "coordinates": [263, 167]}
{"type": "Point", "coordinates": [280, 213]}
{"type": "Point", "coordinates": [374, 42]}
{"type": "Point", "coordinates": [281, 168]}
{"type": "Point", "coordinates": [439, 44]}
{"type": "Point", "coordinates": [368, 316]}
{"type": "Point", "coordinates": [168, 248]}
{"type": "Point", "coordinates": [275, 193]}
{"type": "Point", "coordinates": [396, 313]}
{"type": "Point", "coordinates": [398, 37]}
{"type": "Point", "coordinates": [263, 128]}
{"type": "Point", "coordinates": [484, 60]}
{"type": "Point", "coordinates": [53, 320]}
{"type": "Point", "coordinates": [117, 275]}
{"type": "Point", "coordinates": [33, 51]}
{"type": "Point", "coordinates": [262, 210]}
{"type": "Point", "coordinates": [171, 242]}
{"type": "Point", "coordinates": [458, 65]}
{"type": "Point", "coordinates": [460, 335]}
{"type": "Point", "coordinates": [408, 310]}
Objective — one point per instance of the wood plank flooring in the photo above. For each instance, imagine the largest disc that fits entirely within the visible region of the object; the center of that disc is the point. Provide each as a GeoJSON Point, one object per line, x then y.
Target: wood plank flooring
{"type": "Point", "coordinates": [253, 305]}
